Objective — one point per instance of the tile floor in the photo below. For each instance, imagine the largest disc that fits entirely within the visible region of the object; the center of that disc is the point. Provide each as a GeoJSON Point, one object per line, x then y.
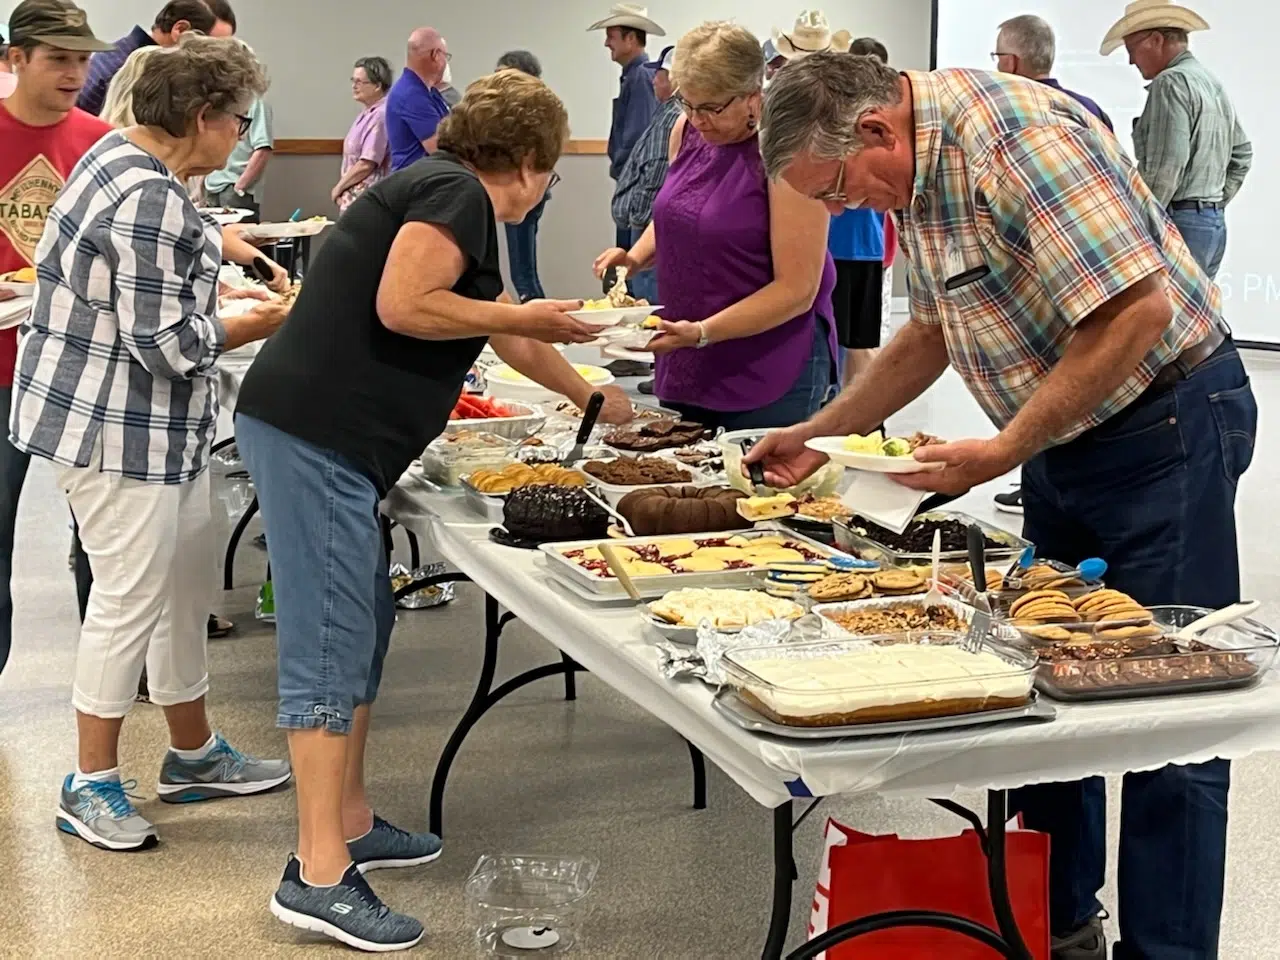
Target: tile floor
{"type": "Point", "coordinates": [596, 777]}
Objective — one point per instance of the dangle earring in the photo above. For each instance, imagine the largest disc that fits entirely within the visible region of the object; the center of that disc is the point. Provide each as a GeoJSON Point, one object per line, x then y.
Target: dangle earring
{"type": "Point", "coordinates": [751, 123]}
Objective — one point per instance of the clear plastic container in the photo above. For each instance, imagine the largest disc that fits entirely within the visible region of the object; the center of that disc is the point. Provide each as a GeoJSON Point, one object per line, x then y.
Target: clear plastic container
{"type": "Point", "coordinates": [527, 906]}
{"type": "Point", "coordinates": [956, 576]}
{"type": "Point", "coordinates": [1235, 655]}
{"type": "Point", "coordinates": [864, 545]}
{"type": "Point", "coordinates": [908, 676]}
{"type": "Point", "coordinates": [449, 458]}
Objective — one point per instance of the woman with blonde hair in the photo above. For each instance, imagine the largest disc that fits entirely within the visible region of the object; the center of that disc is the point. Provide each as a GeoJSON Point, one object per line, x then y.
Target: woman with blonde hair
{"type": "Point", "coordinates": [399, 303]}
{"type": "Point", "coordinates": [116, 387]}
{"type": "Point", "coordinates": [747, 340]}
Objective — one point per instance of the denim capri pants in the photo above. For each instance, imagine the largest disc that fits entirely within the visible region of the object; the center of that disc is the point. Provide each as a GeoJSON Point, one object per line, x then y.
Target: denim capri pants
{"type": "Point", "coordinates": [334, 603]}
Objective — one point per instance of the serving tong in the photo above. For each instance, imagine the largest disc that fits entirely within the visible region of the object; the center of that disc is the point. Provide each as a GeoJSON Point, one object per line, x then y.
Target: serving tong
{"type": "Point", "coordinates": [980, 625]}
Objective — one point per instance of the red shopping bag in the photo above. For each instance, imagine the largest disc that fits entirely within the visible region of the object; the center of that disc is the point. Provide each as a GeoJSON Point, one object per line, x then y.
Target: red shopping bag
{"type": "Point", "coordinates": [864, 875]}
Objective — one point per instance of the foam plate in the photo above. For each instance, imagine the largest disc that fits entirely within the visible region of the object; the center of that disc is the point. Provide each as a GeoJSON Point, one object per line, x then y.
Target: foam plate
{"type": "Point", "coordinates": [833, 447]}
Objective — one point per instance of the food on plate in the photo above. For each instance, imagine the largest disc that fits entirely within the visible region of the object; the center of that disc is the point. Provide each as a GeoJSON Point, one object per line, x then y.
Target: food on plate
{"type": "Point", "coordinates": [918, 536]}
{"type": "Point", "coordinates": [1103, 607]}
{"type": "Point", "coordinates": [877, 445]}
{"type": "Point", "coordinates": [726, 609]}
{"type": "Point", "coordinates": [873, 684]}
{"type": "Point", "coordinates": [518, 475]}
{"type": "Point", "coordinates": [664, 433]}
{"type": "Point", "coordinates": [756, 509]}
{"type": "Point", "coordinates": [841, 588]}
{"type": "Point", "coordinates": [636, 471]}
{"type": "Point", "coordinates": [701, 456]}
{"type": "Point", "coordinates": [660, 510]}
{"type": "Point", "coordinates": [750, 555]}
{"type": "Point", "coordinates": [544, 512]}
{"type": "Point", "coordinates": [898, 618]}
{"type": "Point", "coordinates": [471, 407]}
{"type": "Point", "coordinates": [21, 275]}
{"type": "Point", "coordinates": [893, 582]}
{"type": "Point", "coordinates": [623, 302]}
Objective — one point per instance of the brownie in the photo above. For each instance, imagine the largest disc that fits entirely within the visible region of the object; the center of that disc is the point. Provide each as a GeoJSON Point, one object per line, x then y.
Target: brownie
{"type": "Point", "coordinates": [633, 472]}
{"type": "Point", "coordinates": [918, 537]}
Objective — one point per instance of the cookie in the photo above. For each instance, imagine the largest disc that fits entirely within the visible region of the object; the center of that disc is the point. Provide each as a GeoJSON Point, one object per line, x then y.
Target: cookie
{"type": "Point", "coordinates": [1049, 633]}
{"type": "Point", "coordinates": [840, 586]}
{"type": "Point", "coordinates": [1128, 633]}
{"type": "Point", "coordinates": [1099, 597]}
{"type": "Point", "coordinates": [896, 581]}
{"type": "Point", "coordinates": [1036, 596]}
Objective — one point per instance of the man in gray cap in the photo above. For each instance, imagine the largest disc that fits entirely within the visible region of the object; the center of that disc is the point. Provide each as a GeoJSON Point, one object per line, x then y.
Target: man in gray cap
{"type": "Point", "coordinates": [43, 136]}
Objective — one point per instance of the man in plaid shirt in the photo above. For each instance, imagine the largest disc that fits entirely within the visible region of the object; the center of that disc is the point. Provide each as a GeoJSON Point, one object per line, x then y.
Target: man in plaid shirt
{"type": "Point", "coordinates": [1044, 271]}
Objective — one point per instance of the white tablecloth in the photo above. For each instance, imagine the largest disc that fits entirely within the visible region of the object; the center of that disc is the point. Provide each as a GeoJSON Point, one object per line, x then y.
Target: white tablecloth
{"type": "Point", "coordinates": [615, 646]}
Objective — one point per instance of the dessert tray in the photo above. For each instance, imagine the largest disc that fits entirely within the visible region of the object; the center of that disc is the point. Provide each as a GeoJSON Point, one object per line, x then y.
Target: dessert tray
{"type": "Point", "coordinates": [890, 616]}
{"type": "Point", "coordinates": [659, 564]}
{"type": "Point", "coordinates": [910, 677]}
{"type": "Point", "coordinates": [679, 613]}
{"type": "Point", "coordinates": [870, 541]}
{"type": "Point", "coordinates": [523, 420]}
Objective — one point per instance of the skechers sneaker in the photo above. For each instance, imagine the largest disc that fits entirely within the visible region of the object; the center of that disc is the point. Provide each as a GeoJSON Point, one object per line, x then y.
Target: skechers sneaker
{"type": "Point", "coordinates": [101, 813]}
{"type": "Point", "coordinates": [1010, 502]}
{"type": "Point", "coordinates": [389, 846]}
{"type": "Point", "coordinates": [225, 772]}
{"type": "Point", "coordinates": [349, 911]}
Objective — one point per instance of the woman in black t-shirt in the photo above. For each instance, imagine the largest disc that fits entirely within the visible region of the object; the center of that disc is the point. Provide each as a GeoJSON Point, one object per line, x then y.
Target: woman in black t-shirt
{"type": "Point", "coordinates": [395, 310]}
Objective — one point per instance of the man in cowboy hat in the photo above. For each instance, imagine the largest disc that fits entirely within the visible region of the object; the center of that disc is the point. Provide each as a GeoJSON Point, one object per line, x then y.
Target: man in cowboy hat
{"type": "Point", "coordinates": [1046, 273]}
{"type": "Point", "coordinates": [1190, 147]}
{"type": "Point", "coordinates": [810, 34]}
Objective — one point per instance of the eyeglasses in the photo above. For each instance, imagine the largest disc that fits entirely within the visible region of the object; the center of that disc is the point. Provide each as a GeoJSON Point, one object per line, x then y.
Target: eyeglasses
{"type": "Point", "coordinates": [444, 53]}
{"type": "Point", "coordinates": [555, 179]}
{"type": "Point", "coordinates": [705, 109]}
{"type": "Point", "coordinates": [996, 55]}
{"type": "Point", "coordinates": [357, 82]}
{"type": "Point", "coordinates": [245, 124]}
{"type": "Point", "coordinates": [837, 193]}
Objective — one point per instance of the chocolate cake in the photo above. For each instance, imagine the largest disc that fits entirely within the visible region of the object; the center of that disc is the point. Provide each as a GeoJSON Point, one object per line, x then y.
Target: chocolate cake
{"type": "Point", "coordinates": [918, 537]}
{"type": "Point", "coordinates": [633, 472]}
{"type": "Point", "coordinates": [662, 510]}
{"type": "Point", "coordinates": [664, 434]}
{"type": "Point", "coordinates": [553, 513]}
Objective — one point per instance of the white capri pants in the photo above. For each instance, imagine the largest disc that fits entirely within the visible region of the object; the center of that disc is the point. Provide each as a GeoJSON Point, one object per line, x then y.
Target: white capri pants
{"type": "Point", "coordinates": [152, 550]}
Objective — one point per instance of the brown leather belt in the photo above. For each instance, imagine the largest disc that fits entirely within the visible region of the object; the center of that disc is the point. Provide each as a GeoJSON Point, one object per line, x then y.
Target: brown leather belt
{"type": "Point", "coordinates": [1190, 358]}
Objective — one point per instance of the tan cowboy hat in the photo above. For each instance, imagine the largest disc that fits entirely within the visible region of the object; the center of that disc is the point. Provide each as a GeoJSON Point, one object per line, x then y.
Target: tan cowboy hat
{"type": "Point", "coordinates": [1151, 15]}
{"type": "Point", "coordinates": [629, 15]}
{"type": "Point", "coordinates": [811, 34]}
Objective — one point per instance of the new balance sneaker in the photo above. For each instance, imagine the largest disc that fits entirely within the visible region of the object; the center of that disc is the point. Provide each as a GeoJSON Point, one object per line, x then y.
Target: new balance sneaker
{"type": "Point", "coordinates": [101, 813]}
{"type": "Point", "coordinates": [224, 772]}
{"type": "Point", "coordinates": [389, 846]}
{"type": "Point", "coordinates": [349, 911]}
{"type": "Point", "coordinates": [1010, 502]}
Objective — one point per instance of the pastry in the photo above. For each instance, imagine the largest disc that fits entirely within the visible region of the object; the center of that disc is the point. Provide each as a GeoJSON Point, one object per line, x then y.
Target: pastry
{"type": "Point", "coordinates": [879, 683]}
{"type": "Point", "coordinates": [701, 563]}
{"type": "Point", "coordinates": [671, 549]}
{"type": "Point", "coordinates": [732, 609]}
{"type": "Point", "coordinates": [517, 475]}
{"type": "Point", "coordinates": [708, 554]}
{"type": "Point", "coordinates": [662, 510]}
{"type": "Point", "coordinates": [635, 472]}
{"type": "Point", "coordinates": [543, 512]}
{"type": "Point", "coordinates": [756, 509]}
{"type": "Point", "coordinates": [645, 568]}
{"type": "Point", "coordinates": [841, 587]}
{"type": "Point", "coordinates": [896, 618]}
{"type": "Point", "coordinates": [894, 582]}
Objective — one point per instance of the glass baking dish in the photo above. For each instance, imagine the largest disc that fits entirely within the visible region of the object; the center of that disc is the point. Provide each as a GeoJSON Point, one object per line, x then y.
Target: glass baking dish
{"type": "Point", "coordinates": [1235, 655]}
{"type": "Point", "coordinates": [907, 676]}
{"type": "Point", "coordinates": [865, 545]}
{"type": "Point", "coordinates": [448, 459]}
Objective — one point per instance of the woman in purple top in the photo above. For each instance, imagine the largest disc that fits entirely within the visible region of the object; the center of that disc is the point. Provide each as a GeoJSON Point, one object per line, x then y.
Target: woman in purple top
{"type": "Point", "coordinates": [366, 158]}
{"type": "Point", "coordinates": [742, 263]}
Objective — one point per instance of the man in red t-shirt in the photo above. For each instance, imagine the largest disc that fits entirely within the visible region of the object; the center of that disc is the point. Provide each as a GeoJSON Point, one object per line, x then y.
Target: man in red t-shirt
{"type": "Point", "coordinates": [44, 137]}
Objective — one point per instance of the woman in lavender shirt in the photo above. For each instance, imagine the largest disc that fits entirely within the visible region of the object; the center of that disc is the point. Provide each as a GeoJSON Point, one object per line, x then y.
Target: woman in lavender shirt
{"type": "Point", "coordinates": [366, 158]}
{"type": "Point", "coordinates": [746, 341]}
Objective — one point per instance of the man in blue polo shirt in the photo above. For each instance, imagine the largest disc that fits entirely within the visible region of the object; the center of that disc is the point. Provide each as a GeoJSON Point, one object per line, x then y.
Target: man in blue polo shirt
{"type": "Point", "coordinates": [414, 106]}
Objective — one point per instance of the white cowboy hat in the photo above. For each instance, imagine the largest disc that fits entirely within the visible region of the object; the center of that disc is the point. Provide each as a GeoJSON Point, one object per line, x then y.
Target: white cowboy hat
{"type": "Point", "coordinates": [629, 15]}
{"type": "Point", "coordinates": [1151, 15]}
{"type": "Point", "coordinates": [811, 34]}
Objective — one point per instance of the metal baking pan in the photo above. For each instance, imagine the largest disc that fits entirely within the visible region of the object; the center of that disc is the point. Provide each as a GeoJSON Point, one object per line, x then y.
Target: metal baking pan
{"type": "Point", "coordinates": [1001, 633]}
{"type": "Point", "coordinates": [864, 546]}
{"type": "Point", "coordinates": [1254, 642]}
{"type": "Point", "coordinates": [608, 588]}
{"type": "Point", "coordinates": [528, 420]}
{"type": "Point", "coordinates": [728, 705]}
{"type": "Point", "coordinates": [678, 633]}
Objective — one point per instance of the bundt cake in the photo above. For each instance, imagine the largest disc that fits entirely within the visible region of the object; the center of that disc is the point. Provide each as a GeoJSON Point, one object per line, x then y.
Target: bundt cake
{"type": "Point", "coordinates": [544, 513]}
{"type": "Point", "coordinates": [661, 510]}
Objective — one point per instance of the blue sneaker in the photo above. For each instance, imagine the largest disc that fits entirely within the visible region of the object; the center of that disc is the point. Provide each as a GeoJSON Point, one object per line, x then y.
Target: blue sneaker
{"type": "Point", "coordinates": [349, 912]}
{"type": "Point", "coordinates": [225, 772]}
{"type": "Point", "coordinates": [388, 846]}
{"type": "Point", "coordinates": [101, 813]}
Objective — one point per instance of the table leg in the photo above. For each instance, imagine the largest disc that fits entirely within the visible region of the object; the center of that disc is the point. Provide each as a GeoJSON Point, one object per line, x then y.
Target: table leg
{"type": "Point", "coordinates": [784, 871]}
{"type": "Point", "coordinates": [570, 677]}
{"type": "Point", "coordinates": [699, 776]}
{"type": "Point", "coordinates": [229, 564]}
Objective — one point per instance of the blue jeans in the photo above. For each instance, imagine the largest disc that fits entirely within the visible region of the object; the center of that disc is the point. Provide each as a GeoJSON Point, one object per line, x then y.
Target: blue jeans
{"type": "Point", "coordinates": [334, 606]}
{"type": "Point", "coordinates": [522, 252]}
{"type": "Point", "coordinates": [810, 392]}
{"type": "Point", "coordinates": [13, 472]}
{"type": "Point", "coordinates": [1205, 233]}
{"type": "Point", "coordinates": [644, 285]}
{"type": "Point", "coordinates": [1152, 491]}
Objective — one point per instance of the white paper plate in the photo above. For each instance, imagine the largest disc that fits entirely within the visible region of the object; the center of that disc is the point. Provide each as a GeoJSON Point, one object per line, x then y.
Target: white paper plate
{"type": "Point", "coordinates": [14, 312]}
{"type": "Point", "coordinates": [225, 216]}
{"type": "Point", "coordinates": [283, 231]}
{"type": "Point", "coordinates": [622, 353]}
{"type": "Point", "coordinates": [614, 318]}
{"type": "Point", "coordinates": [833, 447]}
{"type": "Point", "coordinates": [21, 289]}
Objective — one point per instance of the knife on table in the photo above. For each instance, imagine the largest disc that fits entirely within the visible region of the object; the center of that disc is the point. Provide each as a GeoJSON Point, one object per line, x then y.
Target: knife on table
{"type": "Point", "coordinates": [589, 418]}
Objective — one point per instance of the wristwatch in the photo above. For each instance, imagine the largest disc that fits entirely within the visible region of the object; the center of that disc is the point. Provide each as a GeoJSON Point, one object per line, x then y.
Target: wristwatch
{"type": "Point", "coordinates": [703, 339]}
